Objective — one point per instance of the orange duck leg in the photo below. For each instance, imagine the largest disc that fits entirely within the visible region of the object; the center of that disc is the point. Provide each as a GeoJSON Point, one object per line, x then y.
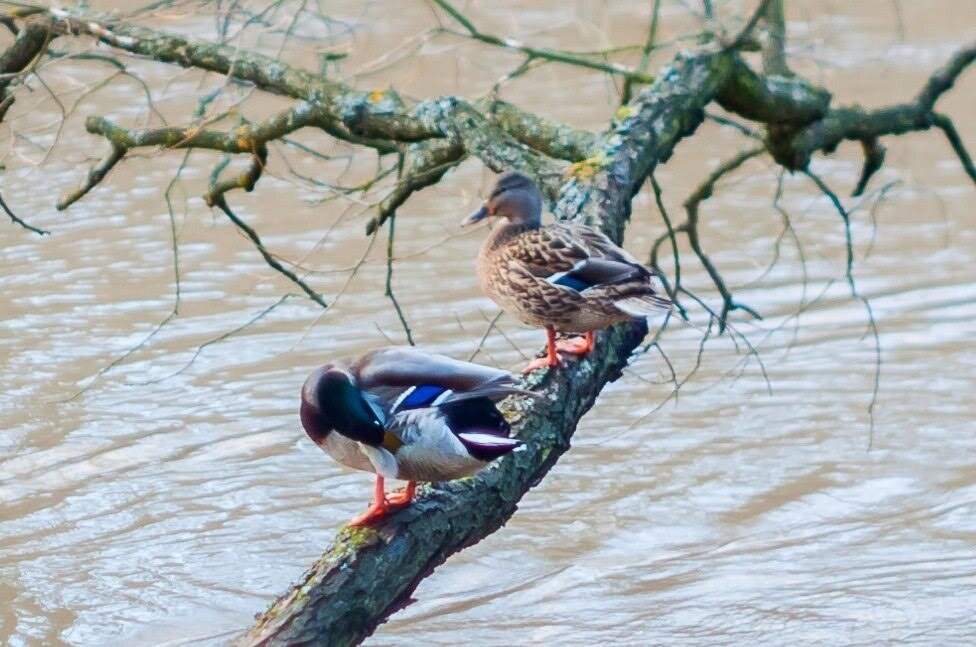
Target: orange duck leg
{"type": "Point", "coordinates": [382, 506]}
{"type": "Point", "coordinates": [577, 345]}
{"type": "Point", "coordinates": [552, 356]}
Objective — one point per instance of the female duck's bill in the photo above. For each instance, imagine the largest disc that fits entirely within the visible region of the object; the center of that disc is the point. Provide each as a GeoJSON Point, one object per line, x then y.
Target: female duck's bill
{"type": "Point", "coordinates": [477, 216]}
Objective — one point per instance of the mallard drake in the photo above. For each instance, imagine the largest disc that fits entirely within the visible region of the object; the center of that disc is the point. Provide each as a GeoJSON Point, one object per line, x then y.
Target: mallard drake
{"type": "Point", "coordinates": [407, 414]}
{"type": "Point", "coordinates": [563, 277]}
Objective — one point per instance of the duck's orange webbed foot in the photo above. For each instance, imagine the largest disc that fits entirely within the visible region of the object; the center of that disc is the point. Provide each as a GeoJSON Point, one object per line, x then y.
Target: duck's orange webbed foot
{"type": "Point", "coordinates": [383, 505]}
{"type": "Point", "coordinates": [576, 345]}
{"type": "Point", "coordinates": [402, 498]}
{"type": "Point", "coordinates": [373, 514]}
{"type": "Point", "coordinates": [551, 359]}
{"type": "Point", "coordinates": [541, 362]}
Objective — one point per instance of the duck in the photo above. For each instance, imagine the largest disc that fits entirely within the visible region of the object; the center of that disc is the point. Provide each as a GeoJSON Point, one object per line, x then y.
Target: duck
{"type": "Point", "coordinates": [564, 277]}
{"type": "Point", "coordinates": [404, 413]}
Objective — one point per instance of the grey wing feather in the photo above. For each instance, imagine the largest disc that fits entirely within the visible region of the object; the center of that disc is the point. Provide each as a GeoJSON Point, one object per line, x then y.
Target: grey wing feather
{"type": "Point", "coordinates": [404, 367]}
{"type": "Point", "coordinates": [602, 271]}
{"type": "Point", "coordinates": [495, 391]}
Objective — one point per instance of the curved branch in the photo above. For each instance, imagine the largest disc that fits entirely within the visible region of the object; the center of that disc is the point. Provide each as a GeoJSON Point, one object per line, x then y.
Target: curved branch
{"type": "Point", "coordinates": [220, 201]}
{"type": "Point", "coordinates": [690, 227]}
{"type": "Point", "coordinates": [29, 44]}
{"type": "Point", "coordinates": [946, 126]}
{"type": "Point", "coordinates": [18, 221]}
{"type": "Point", "coordinates": [95, 175]}
{"type": "Point", "coordinates": [429, 161]}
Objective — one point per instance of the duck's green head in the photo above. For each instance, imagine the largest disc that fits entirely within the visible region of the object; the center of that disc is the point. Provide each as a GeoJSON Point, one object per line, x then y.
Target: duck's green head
{"type": "Point", "coordinates": [514, 197]}
{"type": "Point", "coordinates": [332, 401]}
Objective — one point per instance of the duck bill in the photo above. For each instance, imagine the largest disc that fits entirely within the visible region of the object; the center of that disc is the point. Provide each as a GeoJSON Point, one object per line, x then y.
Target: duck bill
{"type": "Point", "coordinates": [477, 216]}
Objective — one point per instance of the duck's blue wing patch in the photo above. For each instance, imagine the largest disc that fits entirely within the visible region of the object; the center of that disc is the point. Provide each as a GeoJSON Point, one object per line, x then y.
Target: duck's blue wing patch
{"type": "Point", "coordinates": [574, 283]}
{"type": "Point", "coordinates": [418, 397]}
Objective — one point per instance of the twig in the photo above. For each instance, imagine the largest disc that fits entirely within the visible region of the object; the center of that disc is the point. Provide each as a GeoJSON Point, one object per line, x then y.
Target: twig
{"type": "Point", "coordinates": [946, 126]}
{"type": "Point", "coordinates": [872, 323]}
{"type": "Point", "coordinates": [671, 235]}
{"type": "Point", "coordinates": [547, 54]}
{"type": "Point", "coordinates": [19, 221]}
{"type": "Point", "coordinates": [95, 175]}
{"type": "Point", "coordinates": [874, 156]}
{"type": "Point", "coordinates": [739, 41]}
{"type": "Point", "coordinates": [484, 337]}
{"type": "Point", "coordinates": [627, 93]}
{"type": "Point", "coordinates": [691, 204]}
{"type": "Point", "coordinates": [220, 202]}
{"type": "Point", "coordinates": [215, 340]}
{"type": "Point", "coordinates": [774, 49]}
{"type": "Point", "coordinates": [389, 281]}
{"type": "Point", "coordinates": [429, 161]}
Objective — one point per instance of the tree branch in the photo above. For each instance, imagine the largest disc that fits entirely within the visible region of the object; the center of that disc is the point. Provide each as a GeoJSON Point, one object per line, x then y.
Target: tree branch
{"type": "Point", "coordinates": [793, 148]}
{"type": "Point", "coordinates": [429, 161]}
{"type": "Point", "coordinates": [548, 137]}
{"type": "Point", "coordinates": [945, 124]}
{"type": "Point", "coordinates": [338, 600]}
{"type": "Point", "coordinates": [95, 175]}
{"type": "Point", "coordinates": [774, 49]}
{"type": "Point", "coordinates": [28, 46]}
{"type": "Point", "coordinates": [221, 202]}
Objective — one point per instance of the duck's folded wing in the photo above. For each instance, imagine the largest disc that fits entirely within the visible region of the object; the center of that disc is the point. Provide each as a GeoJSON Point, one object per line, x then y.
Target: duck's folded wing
{"type": "Point", "coordinates": [593, 272]}
{"type": "Point", "coordinates": [434, 395]}
{"type": "Point", "coordinates": [628, 285]}
{"type": "Point", "coordinates": [494, 391]}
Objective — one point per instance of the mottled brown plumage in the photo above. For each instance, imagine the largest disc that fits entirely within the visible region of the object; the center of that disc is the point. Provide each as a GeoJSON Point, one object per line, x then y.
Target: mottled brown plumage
{"type": "Point", "coordinates": [564, 277]}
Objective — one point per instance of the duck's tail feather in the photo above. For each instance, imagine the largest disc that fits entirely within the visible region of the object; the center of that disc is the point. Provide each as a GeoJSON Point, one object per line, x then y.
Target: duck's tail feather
{"type": "Point", "coordinates": [644, 305]}
{"type": "Point", "coordinates": [487, 446]}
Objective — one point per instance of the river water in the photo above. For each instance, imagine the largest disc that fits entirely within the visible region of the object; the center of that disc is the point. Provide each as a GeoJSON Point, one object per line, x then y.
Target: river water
{"type": "Point", "coordinates": [155, 484]}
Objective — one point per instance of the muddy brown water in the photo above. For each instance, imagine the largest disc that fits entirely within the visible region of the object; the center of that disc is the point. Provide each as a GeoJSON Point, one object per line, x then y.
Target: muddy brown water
{"type": "Point", "coordinates": [176, 495]}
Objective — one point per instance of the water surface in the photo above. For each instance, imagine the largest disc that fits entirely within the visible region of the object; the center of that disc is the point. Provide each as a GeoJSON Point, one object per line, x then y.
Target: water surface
{"type": "Point", "coordinates": [156, 487]}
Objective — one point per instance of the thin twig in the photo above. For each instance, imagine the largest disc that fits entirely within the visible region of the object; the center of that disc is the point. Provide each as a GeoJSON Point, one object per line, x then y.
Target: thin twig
{"type": "Point", "coordinates": [14, 218]}
{"type": "Point", "coordinates": [872, 323]}
{"type": "Point", "coordinates": [946, 126]}
{"type": "Point", "coordinates": [269, 258]}
{"type": "Point", "coordinates": [389, 281]}
{"type": "Point", "coordinates": [703, 192]}
{"type": "Point", "coordinates": [536, 52]}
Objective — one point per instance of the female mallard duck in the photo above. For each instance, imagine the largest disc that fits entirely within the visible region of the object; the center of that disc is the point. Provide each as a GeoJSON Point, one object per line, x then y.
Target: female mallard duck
{"type": "Point", "coordinates": [405, 414]}
{"type": "Point", "coordinates": [564, 277]}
